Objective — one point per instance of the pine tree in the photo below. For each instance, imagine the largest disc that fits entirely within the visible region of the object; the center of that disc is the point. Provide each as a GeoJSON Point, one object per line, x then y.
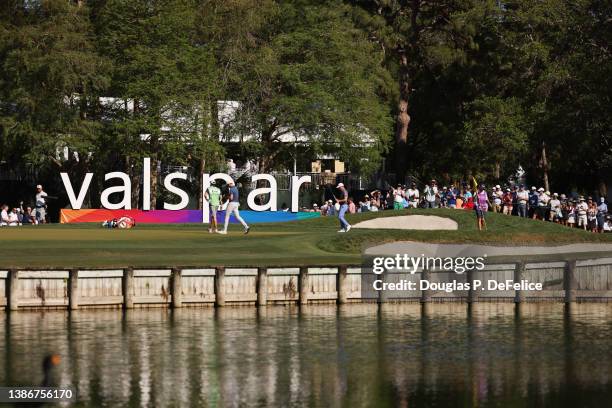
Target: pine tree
{"type": "Point", "coordinates": [308, 73]}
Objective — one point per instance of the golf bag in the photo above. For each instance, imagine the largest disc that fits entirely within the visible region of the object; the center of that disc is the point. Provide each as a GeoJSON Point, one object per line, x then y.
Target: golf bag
{"type": "Point", "coordinates": [124, 222]}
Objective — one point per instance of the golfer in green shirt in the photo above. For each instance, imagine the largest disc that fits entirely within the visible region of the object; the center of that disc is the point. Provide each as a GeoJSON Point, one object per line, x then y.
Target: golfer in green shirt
{"type": "Point", "coordinates": [213, 196]}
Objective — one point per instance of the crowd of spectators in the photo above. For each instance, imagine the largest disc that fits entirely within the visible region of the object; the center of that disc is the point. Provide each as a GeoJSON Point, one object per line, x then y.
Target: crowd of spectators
{"type": "Point", "coordinates": [15, 216]}
{"type": "Point", "coordinates": [24, 215]}
{"type": "Point", "coordinates": [570, 210]}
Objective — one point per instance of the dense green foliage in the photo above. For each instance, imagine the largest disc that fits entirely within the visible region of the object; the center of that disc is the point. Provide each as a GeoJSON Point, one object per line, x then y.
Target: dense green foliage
{"type": "Point", "coordinates": [487, 82]}
{"type": "Point", "coordinates": [445, 89]}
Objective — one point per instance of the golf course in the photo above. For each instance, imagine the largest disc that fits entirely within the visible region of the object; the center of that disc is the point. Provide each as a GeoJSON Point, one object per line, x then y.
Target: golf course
{"type": "Point", "coordinates": [312, 241]}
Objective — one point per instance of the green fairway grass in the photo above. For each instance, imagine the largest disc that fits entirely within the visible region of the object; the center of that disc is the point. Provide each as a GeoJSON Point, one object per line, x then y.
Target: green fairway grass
{"type": "Point", "coordinates": [306, 242]}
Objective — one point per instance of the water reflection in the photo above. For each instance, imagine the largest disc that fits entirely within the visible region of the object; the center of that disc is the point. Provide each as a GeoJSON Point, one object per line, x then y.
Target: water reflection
{"type": "Point", "coordinates": [487, 354]}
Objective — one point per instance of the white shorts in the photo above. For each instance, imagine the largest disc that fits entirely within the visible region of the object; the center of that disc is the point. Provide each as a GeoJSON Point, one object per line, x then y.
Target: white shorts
{"type": "Point", "coordinates": [40, 213]}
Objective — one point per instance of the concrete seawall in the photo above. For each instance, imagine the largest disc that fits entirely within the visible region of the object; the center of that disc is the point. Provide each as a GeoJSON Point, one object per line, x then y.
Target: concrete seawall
{"type": "Point", "coordinates": [73, 288]}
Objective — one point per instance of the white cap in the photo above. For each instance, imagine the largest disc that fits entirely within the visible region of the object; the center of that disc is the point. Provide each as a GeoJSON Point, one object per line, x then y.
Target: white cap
{"type": "Point", "coordinates": [340, 185]}
{"type": "Point", "coordinates": [533, 187]}
{"type": "Point", "coordinates": [497, 186]}
{"type": "Point", "coordinates": [39, 186]}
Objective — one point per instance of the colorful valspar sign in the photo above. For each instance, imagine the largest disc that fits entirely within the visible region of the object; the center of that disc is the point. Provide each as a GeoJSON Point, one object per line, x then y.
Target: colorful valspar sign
{"type": "Point", "coordinates": [125, 188]}
{"type": "Point", "coordinates": [177, 216]}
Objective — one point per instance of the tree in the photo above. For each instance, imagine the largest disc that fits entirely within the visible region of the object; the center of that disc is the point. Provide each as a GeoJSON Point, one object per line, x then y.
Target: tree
{"type": "Point", "coordinates": [308, 73]}
{"type": "Point", "coordinates": [496, 135]}
{"type": "Point", "coordinates": [50, 77]}
{"type": "Point", "coordinates": [163, 79]}
{"type": "Point", "coordinates": [561, 69]}
{"type": "Point", "coordinates": [417, 36]}
{"type": "Point", "coordinates": [97, 85]}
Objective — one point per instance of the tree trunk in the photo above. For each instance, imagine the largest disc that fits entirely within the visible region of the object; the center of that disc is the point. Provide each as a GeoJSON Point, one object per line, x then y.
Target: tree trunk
{"type": "Point", "coordinates": [86, 167]}
{"type": "Point", "coordinates": [200, 189]}
{"type": "Point", "coordinates": [406, 76]}
{"type": "Point", "coordinates": [215, 128]}
{"type": "Point", "coordinates": [544, 165]}
{"type": "Point", "coordinates": [265, 162]}
{"type": "Point", "coordinates": [403, 119]}
{"type": "Point", "coordinates": [154, 176]}
{"type": "Point", "coordinates": [135, 178]}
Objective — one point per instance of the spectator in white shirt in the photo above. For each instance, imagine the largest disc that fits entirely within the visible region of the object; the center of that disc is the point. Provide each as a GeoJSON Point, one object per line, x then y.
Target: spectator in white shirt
{"type": "Point", "coordinates": [4, 217]}
{"type": "Point", "coordinates": [431, 193]}
{"type": "Point", "coordinates": [555, 208]}
{"type": "Point", "coordinates": [543, 199]}
{"type": "Point", "coordinates": [497, 199]}
{"type": "Point", "coordinates": [13, 218]}
{"type": "Point", "coordinates": [522, 199]}
{"type": "Point", "coordinates": [398, 198]}
{"type": "Point", "coordinates": [581, 210]}
{"type": "Point", "coordinates": [373, 205]}
{"type": "Point", "coordinates": [413, 196]}
{"type": "Point", "coordinates": [41, 205]}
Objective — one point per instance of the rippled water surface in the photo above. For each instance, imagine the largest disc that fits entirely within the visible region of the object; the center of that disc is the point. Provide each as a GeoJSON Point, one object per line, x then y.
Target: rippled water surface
{"type": "Point", "coordinates": [441, 355]}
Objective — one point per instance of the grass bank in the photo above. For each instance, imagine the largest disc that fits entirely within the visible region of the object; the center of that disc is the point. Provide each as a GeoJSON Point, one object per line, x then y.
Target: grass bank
{"type": "Point", "coordinates": [314, 241]}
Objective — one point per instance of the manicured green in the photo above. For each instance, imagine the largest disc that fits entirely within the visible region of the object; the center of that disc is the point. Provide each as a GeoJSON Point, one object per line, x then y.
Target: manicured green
{"type": "Point", "coordinates": [314, 241]}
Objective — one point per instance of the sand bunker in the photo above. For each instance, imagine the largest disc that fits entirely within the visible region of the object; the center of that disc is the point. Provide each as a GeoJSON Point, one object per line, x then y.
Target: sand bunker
{"type": "Point", "coordinates": [409, 222]}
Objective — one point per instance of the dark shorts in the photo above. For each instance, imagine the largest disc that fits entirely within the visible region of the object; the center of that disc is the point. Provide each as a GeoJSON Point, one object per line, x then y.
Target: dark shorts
{"type": "Point", "coordinates": [479, 212]}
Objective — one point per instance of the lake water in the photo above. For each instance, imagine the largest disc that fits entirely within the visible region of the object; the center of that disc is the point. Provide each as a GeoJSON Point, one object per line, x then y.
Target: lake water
{"type": "Point", "coordinates": [406, 355]}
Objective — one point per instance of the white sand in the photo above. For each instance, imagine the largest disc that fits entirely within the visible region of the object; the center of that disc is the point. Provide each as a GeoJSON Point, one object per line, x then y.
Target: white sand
{"type": "Point", "coordinates": [409, 222]}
